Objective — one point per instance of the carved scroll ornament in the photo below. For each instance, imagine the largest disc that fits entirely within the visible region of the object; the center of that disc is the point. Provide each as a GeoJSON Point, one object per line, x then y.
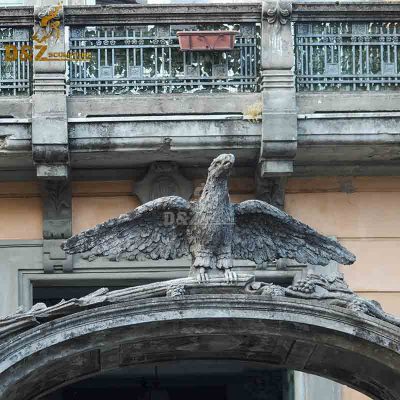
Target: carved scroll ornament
{"type": "Point", "coordinates": [278, 12]}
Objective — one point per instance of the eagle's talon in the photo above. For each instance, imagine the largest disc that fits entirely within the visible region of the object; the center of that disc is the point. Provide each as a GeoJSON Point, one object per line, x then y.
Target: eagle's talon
{"type": "Point", "coordinates": [230, 276]}
{"type": "Point", "coordinates": [202, 276]}
{"type": "Point", "coordinates": [224, 262]}
{"type": "Point", "coordinates": [202, 261]}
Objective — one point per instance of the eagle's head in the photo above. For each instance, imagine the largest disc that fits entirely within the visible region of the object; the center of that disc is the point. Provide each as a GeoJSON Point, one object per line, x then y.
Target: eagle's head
{"type": "Point", "coordinates": [221, 166]}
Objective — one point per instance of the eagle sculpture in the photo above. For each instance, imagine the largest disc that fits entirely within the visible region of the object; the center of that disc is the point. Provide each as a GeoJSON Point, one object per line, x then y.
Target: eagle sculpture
{"type": "Point", "coordinates": [212, 230]}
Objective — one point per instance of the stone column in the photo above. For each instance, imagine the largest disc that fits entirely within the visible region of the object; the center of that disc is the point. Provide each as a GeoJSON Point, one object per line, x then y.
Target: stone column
{"type": "Point", "coordinates": [279, 125]}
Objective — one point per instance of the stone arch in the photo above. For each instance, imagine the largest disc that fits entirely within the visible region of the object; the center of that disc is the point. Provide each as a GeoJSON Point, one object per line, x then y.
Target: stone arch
{"type": "Point", "coordinates": [359, 351]}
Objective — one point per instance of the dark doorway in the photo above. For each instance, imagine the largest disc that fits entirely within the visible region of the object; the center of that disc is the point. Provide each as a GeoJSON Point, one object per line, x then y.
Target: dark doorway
{"type": "Point", "coordinates": [184, 380]}
{"type": "Point", "coordinates": [170, 393]}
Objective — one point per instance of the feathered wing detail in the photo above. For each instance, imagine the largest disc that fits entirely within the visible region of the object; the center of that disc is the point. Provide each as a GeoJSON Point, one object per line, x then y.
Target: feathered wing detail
{"type": "Point", "coordinates": [155, 230]}
{"type": "Point", "coordinates": [264, 233]}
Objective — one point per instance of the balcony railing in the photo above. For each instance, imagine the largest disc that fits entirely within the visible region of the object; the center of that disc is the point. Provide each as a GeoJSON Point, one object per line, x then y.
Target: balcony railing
{"type": "Point", "coordinates": [147, 59]}
{"type": "Point", "coordinates": [347, 56]}
{"type": "Point", "coordinates": [15, 71]}
{"type": "Point", "coordinates": [348, 46]}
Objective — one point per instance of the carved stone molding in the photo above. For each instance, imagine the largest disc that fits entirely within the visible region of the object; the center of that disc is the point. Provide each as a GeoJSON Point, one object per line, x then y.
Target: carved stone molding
{"type": "Point", "coordinates": [330, 289]}
{"type": "Point", "coordinates": [57, 212]}
{"type": "Point", "coordinates": [54, 258]}
{"type": "Point", "coordinates": [278, 11]}
{"type": "Point", "coordinates": [277, 79]}
{"type": "Point", "coordinates": [163, 179]}
{"type": "Point", "coordinates": [46, 154]}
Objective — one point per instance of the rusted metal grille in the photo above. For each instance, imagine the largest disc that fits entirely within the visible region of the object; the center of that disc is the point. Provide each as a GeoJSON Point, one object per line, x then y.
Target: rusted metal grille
{"type": "Point", "coordinates": [15, 76]}
{"type": "Point", "coordinates": [147, 59]}
{"type": "Point", "coordinates": [347, 56]}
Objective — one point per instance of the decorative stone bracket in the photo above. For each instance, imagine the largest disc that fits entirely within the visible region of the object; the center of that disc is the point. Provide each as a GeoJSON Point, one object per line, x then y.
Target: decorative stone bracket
{"type": "Point", "coordinates": [57, 224]}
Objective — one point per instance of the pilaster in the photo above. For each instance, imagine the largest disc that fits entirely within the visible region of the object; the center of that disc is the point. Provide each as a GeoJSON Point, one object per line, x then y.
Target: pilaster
{"type": "Point", "coordinates": [50, 150]}
{"type": "Point", "coordinates": [279, 125]}
{"type": "Point", "coordinates": [49, 104]}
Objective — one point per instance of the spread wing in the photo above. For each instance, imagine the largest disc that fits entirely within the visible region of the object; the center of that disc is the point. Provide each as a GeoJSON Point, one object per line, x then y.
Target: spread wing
{"type": "Point", "coordinates": [264, 233]}
{"type": "Point", "coordinates": [155, 230]}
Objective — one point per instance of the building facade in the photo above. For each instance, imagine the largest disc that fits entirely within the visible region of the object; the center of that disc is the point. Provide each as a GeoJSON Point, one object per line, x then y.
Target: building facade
{"type": "Point", "coordinates": [307, 100]}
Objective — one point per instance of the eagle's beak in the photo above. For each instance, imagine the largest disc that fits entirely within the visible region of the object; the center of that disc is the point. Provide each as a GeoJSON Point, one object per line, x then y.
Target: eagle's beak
{"type": "Point", "coordinates": [230, 160]}
{"type": "Point", "coordinates": [227, 164]}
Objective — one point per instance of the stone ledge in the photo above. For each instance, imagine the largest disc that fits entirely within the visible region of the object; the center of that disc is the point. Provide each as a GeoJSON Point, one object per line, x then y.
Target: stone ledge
{"type": "Point", "coordinates": [194, 13]}
{"type": "Point", "coordinates": [346, 11]}
{"type": "Point", "coordinates": [328, 291]}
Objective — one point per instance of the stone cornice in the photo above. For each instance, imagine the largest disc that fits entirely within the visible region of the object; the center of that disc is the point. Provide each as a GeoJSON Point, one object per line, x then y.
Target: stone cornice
{"type": "Point", "coordinates": [175, 14]}
{"type": "Point", "coordinates": [16, 16]}
{"type": "Point", "coordinates": [346, 11]}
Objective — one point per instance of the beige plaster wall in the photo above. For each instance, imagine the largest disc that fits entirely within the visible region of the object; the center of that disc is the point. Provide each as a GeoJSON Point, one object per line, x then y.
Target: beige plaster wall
{"type": "Point", "coordinates": [95, 202]}
{"type": "Point", "coordinates": [20, 211]}
{"type": "Point", "coordinates": [363, 213]}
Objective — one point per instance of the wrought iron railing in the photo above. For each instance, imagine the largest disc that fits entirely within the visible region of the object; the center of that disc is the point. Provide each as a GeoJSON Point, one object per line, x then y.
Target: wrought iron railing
{"type": "Point", "coordinates": [15, 70]}
{"type": "Point", "coordinates": [347, 55]}
{"type": "Point", "coordinates": [336, 48]}
{"type": "Point", "coordinates": [147, 59]}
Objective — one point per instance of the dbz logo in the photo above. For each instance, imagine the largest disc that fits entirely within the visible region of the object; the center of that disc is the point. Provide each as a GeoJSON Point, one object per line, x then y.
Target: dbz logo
{"type": "Point", "coordinates": [48, 28]}
{"type": "Point", "coordinates": [49, 24]}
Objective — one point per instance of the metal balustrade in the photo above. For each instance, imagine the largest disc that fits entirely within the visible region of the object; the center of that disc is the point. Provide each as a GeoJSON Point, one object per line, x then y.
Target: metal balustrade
{"type": "Point", "coordinates": [15, 76]}
{"type": "Point", "coordinates": [147, 59]}
{"type": "Point", "coordinates": [347, 56]}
